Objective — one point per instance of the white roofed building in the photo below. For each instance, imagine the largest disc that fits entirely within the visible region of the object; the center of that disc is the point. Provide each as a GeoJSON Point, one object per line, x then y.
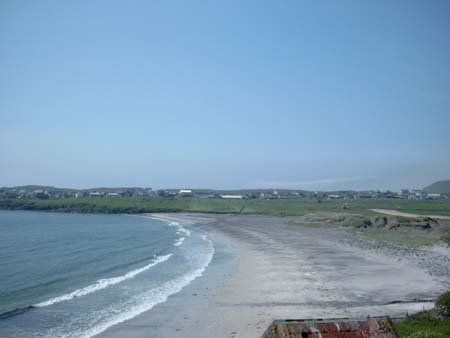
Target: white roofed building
{"type": "Point", "coordinates": [236, 197]}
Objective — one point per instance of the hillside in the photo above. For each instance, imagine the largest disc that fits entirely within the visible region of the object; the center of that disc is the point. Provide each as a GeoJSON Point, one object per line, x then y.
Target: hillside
{"type": "Point", "coordinates": [440, 187]}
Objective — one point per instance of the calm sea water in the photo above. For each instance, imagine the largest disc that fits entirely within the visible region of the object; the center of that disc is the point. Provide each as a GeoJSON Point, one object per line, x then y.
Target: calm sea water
{"type": "Point", "coordinates": [75, 275]}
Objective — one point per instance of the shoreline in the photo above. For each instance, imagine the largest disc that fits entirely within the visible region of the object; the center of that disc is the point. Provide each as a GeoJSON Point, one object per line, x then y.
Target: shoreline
{"type": "Point", "coordinates": [183, 313]}
{"type": "Point", "coordinates": [284, 272]}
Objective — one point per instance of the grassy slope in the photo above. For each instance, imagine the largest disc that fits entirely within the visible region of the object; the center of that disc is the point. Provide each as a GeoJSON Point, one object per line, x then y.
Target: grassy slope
{"type": "Point", "coordinates": [356, 209]}
{"type": "Point", "coordinates": [267, 207]}
{"type": "Point", "coordinates": [423, 322]}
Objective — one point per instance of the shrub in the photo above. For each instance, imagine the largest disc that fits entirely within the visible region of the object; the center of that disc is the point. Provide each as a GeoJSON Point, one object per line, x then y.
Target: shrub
{"type": "Point", "coordinates": [443, 305]}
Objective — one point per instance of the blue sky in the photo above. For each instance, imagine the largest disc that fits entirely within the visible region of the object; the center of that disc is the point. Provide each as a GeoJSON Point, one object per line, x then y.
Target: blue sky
{"type": "Point", "coordinates": [229, 94]}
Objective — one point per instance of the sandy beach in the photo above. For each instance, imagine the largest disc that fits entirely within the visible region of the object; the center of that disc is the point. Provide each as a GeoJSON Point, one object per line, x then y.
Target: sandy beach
{"type": "Point", "coordinates": [278, 271]}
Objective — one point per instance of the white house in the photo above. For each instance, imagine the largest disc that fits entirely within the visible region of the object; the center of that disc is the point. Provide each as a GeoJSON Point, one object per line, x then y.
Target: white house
{"type": "Point", "coordinates": [95, 194]}
{"type": "Point", "coordinates": [236, 197]}
{"type": "Point", "coordinates": [333, 197]}
{"type": "Point", "coordinates": [185, 192]}
{"type": "Point", "coordinates": [113, 194]}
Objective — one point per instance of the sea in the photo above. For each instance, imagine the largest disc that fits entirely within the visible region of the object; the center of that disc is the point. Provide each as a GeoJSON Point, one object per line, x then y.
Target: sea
{"type": "Point", "coordinates": [67, 275]}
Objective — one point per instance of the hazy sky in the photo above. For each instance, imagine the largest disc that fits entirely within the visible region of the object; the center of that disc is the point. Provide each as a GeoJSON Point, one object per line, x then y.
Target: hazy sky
{"type": "Point", "coordinates": [225, 94]}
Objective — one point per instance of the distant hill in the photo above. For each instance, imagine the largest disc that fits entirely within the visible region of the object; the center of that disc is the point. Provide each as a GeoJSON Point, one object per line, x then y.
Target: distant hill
{"type": "Point", "coordinates": [440, 187]}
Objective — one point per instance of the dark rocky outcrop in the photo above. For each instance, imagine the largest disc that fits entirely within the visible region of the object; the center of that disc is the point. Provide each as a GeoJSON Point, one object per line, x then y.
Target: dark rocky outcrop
{"type": "Point", "coordinates": [392, 223]}
{"type": "Point", "coordinates": [421, 223]}
{"type": "Point", "coordinates": [443, 305]}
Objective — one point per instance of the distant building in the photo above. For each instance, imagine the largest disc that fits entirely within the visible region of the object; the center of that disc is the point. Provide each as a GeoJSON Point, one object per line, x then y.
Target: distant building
{"type": "Point", "coordinates": [334, 197]}
{"type": "Point", "coordinates": [113, 194]}
{"type": "Point", "coordinates": [433, 196]}
{"type": "Point", "coordinates": [95, 194]}
{"type": "Point", "coordinates": [418, 193]}
{"type": "Point", "coordinates": [235, 197]}
{"type": "Point", "coordinates": [404, 192]}
{"type": "Point", "coordinates": [185, 193]}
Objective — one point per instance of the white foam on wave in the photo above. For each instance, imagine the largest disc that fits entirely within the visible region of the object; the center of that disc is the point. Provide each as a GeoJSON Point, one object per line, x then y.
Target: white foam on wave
{"type": "Point", "coordinates": [179, 241]}
{"type": "Point", "coordinates": [103, 283]}
{"type": "Point", "coordinates": [141, 303]}
{"type": "Point", "coordinates": [180, 228]}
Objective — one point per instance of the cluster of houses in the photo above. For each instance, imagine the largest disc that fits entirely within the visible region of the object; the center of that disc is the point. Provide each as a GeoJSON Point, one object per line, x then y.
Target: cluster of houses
{"type": "Point", "coordinates": [243, 194]}
{"type": "Point", "coordinates": [120, 193]}
{"type": "Point", "coordinates": [288, 194]}
{"type": "Point", "coordinates": [23, 193]}
{"type": "Point", "coordinates": [268, 194]}
{"type": "Point", "coordinates": [403, 194]}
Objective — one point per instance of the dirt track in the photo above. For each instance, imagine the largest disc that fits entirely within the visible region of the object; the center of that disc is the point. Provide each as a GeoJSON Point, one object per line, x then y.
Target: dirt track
{"type": "Point", "coordinates": [406, 214]}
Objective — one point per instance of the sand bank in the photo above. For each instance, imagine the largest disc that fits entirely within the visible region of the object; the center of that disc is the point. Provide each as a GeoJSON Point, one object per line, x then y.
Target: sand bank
{"type": "Point", "coordinates": [406, 214]}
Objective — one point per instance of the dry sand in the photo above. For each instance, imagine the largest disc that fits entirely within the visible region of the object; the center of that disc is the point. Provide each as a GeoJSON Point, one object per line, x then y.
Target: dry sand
{"type": "Point", "coordinates": [286, 271]}
{"type": "Point", "coordinates": [406, 214]}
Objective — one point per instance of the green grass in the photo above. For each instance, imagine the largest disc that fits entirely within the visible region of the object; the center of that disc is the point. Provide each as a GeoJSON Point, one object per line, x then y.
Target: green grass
{"type": "Point", "coordinates": [357, 222]}
{"type": "Point", "coordinates": [266, 207]}
{"type": "Point", "coordinates": [327, 213]}
{"type": "Point", "coordinates": [425, 321]}
{"type": "Point", "coordinates": [344, 219]}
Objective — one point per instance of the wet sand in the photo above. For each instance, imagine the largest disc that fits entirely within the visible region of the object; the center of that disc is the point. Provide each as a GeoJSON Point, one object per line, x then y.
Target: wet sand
{"type": "Point", "coordinates": [284, 271]}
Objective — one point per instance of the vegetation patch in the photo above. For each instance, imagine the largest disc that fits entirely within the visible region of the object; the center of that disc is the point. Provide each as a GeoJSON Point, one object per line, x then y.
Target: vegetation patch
{"type": "Point", "coordinates": [406, 231]}
{"type": "Point", "coordinates": [280, 207]}
{"type": "Point", "coordinates": [428, 324]}
{"type": "Point", "coordinates": [424, 324]}
{"type": "Point", "coordinates": [340, 219]}
{"type": "Point", "coordinates": [443, 305]}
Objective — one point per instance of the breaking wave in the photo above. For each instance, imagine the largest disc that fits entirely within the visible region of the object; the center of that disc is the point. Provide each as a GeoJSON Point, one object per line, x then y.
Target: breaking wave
{"type": "Point", "coordinates": [180, 229]}
{"type": "Point", "coordinates": [140, 303]}
{"type": "Point", "coordinates": [103, 283]}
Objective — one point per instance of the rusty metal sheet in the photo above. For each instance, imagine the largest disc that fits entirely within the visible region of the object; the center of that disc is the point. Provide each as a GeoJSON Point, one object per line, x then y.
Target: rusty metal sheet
{"type": "Point", "coordinates": [378, 327]}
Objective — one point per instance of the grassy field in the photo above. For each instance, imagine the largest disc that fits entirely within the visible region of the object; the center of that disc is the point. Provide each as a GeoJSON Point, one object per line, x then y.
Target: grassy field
{"type": "Point", "coordinates": [297, 207]}
{"type": "Point", "coordinates": [408, 237]}
{"type": "Point", "coordinates": [424, 324]}
{"type": "Point", "coordinates": [350, 214]}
